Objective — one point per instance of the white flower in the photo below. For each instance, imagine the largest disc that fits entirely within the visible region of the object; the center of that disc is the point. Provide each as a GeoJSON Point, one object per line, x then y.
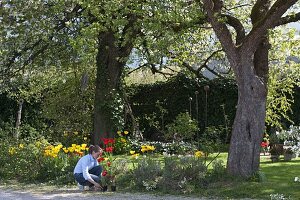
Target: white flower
{"type": "Point", "coordinates": [297, 179]}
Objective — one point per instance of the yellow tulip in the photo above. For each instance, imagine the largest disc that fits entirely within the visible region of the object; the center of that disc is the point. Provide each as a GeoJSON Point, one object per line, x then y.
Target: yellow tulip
{"type": "Point", "coordinates": [132, 152]}
{"type": "Point", "coordinates": [83, 146]}
{"type": "Point", "coordinates": [123, 140]}
{"type": "Point", "coordinates": [143, 150]}
{"type": "Point", "coordinates": [199, 154]}
{"type": "Point", "coordinates": [125, 132]}
{"type": "Point", "coordinates": [151, 148]}
{"type": "Point", "coordinates": [65, 150]}
{"type": "Point", "coordinates": [12, 150]}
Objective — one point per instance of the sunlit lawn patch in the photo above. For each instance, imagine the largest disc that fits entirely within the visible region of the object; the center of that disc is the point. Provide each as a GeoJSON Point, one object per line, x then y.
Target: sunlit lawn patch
{"type": "Point", "coordinates": [279, 179]}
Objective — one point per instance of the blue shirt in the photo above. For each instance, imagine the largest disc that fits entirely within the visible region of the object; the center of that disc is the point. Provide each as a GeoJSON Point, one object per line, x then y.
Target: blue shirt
{"type": "Point", "coordinates": [84, 164]}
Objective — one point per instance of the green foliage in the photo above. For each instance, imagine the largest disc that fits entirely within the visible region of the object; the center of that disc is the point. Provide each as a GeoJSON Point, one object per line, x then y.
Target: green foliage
{"type": "Point", "coordinates": [182, 129]}
{"type": "Point", "coordinates": [122, 143]}
{"type": "Point", "coordinates": [259, 176]}
{"type": "Point", "coordinates": [213, 139]}
{"type": "Point", "coordinates": [276, 149]}
{"type": "Point", "coordinates": [174, 97]}
{"type": "Point", "coordinates": [57, 170]}
{"type": "Point", "coordinates": [283, 77]}
{"type": "Point", "coordinates": [116, 108]}
{"type": "Point", "coordinates": [69, 109]}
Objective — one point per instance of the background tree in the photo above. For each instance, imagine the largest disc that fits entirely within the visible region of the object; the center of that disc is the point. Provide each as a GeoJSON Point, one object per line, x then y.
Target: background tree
{"type": "Point", "coordinates": [103, 31]}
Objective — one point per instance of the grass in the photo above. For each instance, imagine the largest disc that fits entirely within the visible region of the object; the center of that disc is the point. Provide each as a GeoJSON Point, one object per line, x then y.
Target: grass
{"type": "Point", "coordinates": [279, 179]}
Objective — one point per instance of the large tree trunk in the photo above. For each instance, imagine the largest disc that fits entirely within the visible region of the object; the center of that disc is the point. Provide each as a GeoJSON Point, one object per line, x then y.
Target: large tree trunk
{"type": "Point", "coordinates": [110, 62]}
{"type": "Point", "coordinates": [109, 71]}
{"type": "Point", "coordinates": [243, 158]}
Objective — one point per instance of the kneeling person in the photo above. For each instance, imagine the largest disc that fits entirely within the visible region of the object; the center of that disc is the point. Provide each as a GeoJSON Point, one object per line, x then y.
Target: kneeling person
{"type": "Point", "coordinates": [87, 170]}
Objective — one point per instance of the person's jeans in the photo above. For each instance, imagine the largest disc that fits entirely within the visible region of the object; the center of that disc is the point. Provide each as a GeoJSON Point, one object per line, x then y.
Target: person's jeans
{"type": "Point", "coordinates": [94, 173]}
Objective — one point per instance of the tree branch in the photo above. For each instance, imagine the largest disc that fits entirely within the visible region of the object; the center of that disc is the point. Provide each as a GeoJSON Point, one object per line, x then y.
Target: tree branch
{"type": "Point", "coordinates": [139, 67]}
{"type": "Point", "coordinates": [238, 27]}
{"type": "Point", "coordinates": [207, 60]}
{"type": "Point", "coordinates": [194, 71]}
{"type": "Point", "coordinates": [197, 71]}
{"type": "Point", "coordinates": [288, 19]}
{"type": "Point", "coordinates": [213, 9]}
{"type": "Point", "coordinates": [260, 28]}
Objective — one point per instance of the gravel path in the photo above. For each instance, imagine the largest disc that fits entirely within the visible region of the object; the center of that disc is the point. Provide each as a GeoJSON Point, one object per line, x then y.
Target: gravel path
{"type": "Point", "coordinates": [72, 193]}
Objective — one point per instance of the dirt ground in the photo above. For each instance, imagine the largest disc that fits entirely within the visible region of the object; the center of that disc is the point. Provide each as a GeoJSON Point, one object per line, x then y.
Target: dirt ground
{"type": "Point", "coordinates": [74, 193]}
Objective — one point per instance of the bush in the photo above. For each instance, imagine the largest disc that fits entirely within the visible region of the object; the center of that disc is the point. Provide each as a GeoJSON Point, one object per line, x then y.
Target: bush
{"type": "Point", "coordinates": [182, 129]}
{"type": "Point", "coordinates": [276, 149]}
{"type": "Point", "coordinates": [50, 162]}
{"type": "Point", "coordinates": [147, 171]}
{"type": "Point", "coordinates": [183, 174]}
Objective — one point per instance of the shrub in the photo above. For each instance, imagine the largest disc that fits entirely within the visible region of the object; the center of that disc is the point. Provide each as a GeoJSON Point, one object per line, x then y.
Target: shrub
{"type": "Point", "coordinates": [183, 173]}
{"type": "Point", "coordinates": [183, 128]}
{"type": "Point", "coordinates": [146, 171]}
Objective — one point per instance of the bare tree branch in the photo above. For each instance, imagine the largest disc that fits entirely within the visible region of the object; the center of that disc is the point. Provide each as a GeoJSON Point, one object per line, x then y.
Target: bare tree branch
{"type": "Point", "coordinates": [197, 71]}
{"type": "Point", "coordinates": [238, 27]}
{"type": "Point", "coordinates": [139, 67]}
{"type": "Point", "coordinates": [213, 10]}
{"type": "Point", "coordinates": [288, 19]}
{"type": "Point", "coordinates": [194, 71]}
{"type": "Point", "coordinates": [239, 6]}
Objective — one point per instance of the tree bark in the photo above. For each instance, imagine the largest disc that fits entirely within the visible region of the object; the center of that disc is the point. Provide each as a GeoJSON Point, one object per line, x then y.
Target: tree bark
{"type": "Point", "coordinates": [253, 107]}
{"type": "Point", "coordinates": [110, 62]}
{"type": "Point", "coordinates": [18, 120]}
{"type": "Point", "coordinates": [249, 122]}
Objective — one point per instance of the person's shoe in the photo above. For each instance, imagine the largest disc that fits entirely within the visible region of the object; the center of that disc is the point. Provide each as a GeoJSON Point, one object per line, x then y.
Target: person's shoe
{"type": "Point", "coordinates": [80, 187]}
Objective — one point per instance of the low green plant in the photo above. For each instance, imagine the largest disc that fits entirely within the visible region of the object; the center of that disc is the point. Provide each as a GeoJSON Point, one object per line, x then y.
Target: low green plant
{"type": "Point", "coordinates": [146, 170]}
{"type": "Point", "coordinates": [218, 171]}
{"type": "Point", "coordinates": [179, 174]}
{"type": "Point", "coordinates": [276, 149]}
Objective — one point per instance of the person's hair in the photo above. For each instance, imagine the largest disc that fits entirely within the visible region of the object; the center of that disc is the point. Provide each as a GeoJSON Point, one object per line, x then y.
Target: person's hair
{"type": "Point", "coordinates": [94, 148]}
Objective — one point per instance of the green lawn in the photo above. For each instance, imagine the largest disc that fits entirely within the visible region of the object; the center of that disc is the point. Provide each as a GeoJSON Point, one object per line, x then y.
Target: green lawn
{"type": "Point", "coordinates": [279, 179]}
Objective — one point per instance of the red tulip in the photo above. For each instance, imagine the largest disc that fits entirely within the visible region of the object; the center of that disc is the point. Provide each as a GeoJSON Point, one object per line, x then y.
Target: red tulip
{"type": "Point", "coordinates": [104, 173]}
